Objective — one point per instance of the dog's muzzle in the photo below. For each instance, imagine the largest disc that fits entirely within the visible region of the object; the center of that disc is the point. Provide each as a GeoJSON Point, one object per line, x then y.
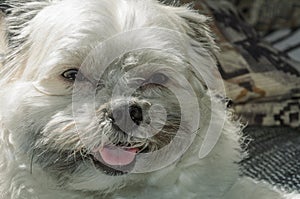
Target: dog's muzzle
{"type": "Point", "coordinates": [126, 117]}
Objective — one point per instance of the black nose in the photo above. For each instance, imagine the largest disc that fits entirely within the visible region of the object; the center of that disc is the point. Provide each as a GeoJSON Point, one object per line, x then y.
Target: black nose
{"type": "Point", "coordinates": [126, 117]}
{"type": "Point", "coordinates": [136, 114]}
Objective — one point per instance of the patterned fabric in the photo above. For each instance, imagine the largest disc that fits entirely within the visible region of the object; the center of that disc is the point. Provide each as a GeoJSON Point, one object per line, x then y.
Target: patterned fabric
{"type": "Point", "coordinates": [287, 41]}
{"type": "Point", "coordinates": [263, 82]}
{"type": "Point", "coordinates": [281, 113]}
{"type": "Point", "coordinates": [269, 15]}
{"type": "Point", "coordinates": [274, 156]}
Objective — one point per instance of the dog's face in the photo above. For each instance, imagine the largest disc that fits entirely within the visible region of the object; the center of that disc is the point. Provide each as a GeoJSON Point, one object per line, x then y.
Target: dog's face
{"type": "Point", "coordinates": [106, 88]}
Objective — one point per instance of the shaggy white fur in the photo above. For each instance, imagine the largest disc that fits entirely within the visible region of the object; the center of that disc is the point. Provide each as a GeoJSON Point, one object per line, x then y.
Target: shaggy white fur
{"type": "Point", "coordinates": [45, 153]}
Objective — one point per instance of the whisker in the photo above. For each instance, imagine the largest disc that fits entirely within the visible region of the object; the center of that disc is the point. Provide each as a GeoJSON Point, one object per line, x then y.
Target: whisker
{"type": "Point", "coordinates": [31, 162]}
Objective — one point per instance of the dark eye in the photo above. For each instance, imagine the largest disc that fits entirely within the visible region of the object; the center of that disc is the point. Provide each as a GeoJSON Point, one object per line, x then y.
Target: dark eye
{"type": "Point", "coordinates": [70, 74]}
{"type": "Point", "coordinates": [158, 78]}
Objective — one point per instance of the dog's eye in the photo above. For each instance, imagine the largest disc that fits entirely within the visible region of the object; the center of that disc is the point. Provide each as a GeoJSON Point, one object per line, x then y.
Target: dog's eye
{"type": "Point", "coordinates": [158, 78]}
{"type": "Point", "coordinates": [70, 74]}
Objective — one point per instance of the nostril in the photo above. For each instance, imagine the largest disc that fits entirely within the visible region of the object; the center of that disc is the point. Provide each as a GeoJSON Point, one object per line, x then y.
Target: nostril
{"type": "Point", "coordinates": [136, 114]}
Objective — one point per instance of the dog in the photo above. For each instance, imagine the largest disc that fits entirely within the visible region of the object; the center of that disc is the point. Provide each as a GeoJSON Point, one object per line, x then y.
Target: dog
{"type": "Point", "coordinates": [115, 99]}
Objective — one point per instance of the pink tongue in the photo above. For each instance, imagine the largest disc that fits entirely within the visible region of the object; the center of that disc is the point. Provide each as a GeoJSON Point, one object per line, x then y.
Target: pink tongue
{"type": "Point", "coordinates": [118, 156]}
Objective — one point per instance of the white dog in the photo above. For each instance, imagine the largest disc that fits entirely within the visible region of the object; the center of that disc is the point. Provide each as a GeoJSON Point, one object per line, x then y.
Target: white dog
{"type": "Point", "coordinates": [113, 99]}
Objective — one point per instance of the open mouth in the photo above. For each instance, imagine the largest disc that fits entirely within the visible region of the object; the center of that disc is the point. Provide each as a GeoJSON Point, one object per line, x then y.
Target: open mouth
{"type": "Point", "coordinates": [116, 160]}
{"type": "Point", "coordinates": [119, 158]}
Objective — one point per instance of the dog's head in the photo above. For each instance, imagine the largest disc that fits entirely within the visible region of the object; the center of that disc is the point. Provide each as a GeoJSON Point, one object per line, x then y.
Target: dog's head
{"type": "Point", "coordinates": [102, 88]}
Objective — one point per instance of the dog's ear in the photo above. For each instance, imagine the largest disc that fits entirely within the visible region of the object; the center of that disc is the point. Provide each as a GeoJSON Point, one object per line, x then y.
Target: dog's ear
{"type": "Point", "coordinates": [16, 15]}
{"type": "Point", "coordinates": [4, 7]}
{"type": "Point", "coordinates": [197, 27]}
{"type": "Point", "coordinates": [203, 45]}
{"type": "Point", "coordinates": [205, 70]}
{"type": "Point", "coordinates": [3, 29]}
{"type": "Point", "coordinates": [202, 41]}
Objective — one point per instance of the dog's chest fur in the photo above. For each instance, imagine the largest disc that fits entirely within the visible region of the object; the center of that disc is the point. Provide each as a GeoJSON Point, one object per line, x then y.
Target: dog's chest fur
{"type": "Point", "coordinates": [189, 178]}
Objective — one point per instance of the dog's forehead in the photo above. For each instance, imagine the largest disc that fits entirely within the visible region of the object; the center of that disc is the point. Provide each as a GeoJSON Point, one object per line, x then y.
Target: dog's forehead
{"type": "Point", "coordinates": [70, 22]}
{"type": "Point", "coordinates": [72, 28]}
{"type": "Point", "coordinates": [95, 19]}
{"type": "Point", "coordinates": [140, 63]}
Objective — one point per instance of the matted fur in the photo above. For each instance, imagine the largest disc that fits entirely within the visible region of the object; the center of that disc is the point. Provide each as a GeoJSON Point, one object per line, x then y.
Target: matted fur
{"type": "Point", "coordinates": [41, 156]}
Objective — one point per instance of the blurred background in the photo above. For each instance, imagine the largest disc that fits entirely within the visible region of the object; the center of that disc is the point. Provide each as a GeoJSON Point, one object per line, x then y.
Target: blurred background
{"type": "Point", "coordinates": [260, 65]}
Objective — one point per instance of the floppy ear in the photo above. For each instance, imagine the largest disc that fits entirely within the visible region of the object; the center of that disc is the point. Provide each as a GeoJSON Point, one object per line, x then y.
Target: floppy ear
{"type": "Point", "coordinates": [197, 27]}
{"type": "Point", "coordinates": [3, 29]}
{"type": "Point", "coordinates": [202, 41]}
{"type": "Point", "coordinates": [4, 7]}
{"type": "Point", "coordinates": [16, 15]}
{"type": "Point", "coordinates": [204, 47]}
{"type": "Point", "coordinates": [205, 70]}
